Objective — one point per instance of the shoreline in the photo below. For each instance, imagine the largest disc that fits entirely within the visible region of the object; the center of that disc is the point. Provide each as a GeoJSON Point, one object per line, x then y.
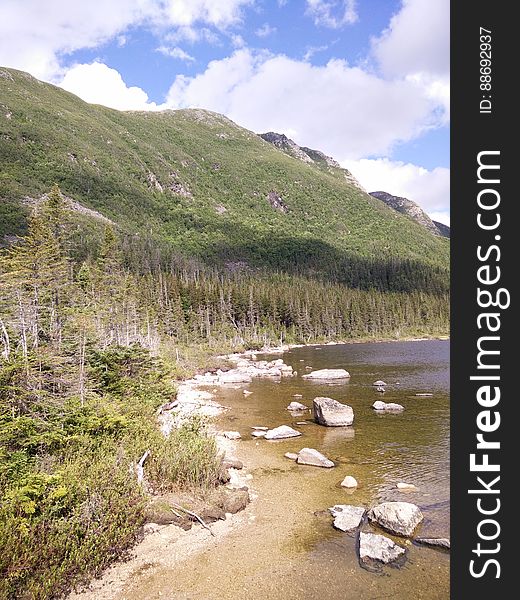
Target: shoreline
{"type": "Point", "coordinates": [166, 546]}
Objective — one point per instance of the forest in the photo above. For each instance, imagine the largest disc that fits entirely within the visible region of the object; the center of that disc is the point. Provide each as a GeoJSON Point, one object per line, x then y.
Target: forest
{"type": "Point", "coordinates": [93, 338]}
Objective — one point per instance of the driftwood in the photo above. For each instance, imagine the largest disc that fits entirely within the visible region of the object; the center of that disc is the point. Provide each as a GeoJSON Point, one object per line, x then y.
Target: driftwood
{"type": "Point", "coordinates": [167, 406]}
{"type": "Point", "coordinates": [192, 514]}
{"type": "Point", "coordinates": [140, 467]}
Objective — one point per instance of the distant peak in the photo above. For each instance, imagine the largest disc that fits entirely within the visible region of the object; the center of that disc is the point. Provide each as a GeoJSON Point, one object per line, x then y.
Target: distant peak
{"type": "Point", "coordinates": [310, 156]}
{"type": "Point", "coordinates": [412, 210]}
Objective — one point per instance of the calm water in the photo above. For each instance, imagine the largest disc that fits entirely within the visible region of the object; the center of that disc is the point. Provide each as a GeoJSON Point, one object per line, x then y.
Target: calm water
{"type": "Point", "coordinates": [289, 550]}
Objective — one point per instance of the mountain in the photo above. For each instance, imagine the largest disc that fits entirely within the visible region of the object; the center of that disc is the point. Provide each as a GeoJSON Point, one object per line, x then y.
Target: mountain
{"type": "Point", "coordinates": [412, 210]}
{"type": "Point", "coordinates": [194, 184]}
{"type": "Point", "coordinates": [310, 156]}
{"type": "Point", "coordinates": [444, 230]}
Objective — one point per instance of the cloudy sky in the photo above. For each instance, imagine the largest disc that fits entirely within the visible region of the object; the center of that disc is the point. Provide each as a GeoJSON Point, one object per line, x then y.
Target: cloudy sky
{"type": "Point", "coordinates": [366, 81]}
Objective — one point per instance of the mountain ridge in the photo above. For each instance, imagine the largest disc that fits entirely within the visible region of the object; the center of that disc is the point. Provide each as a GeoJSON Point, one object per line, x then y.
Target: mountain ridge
{"type": "Point", "coordinates": [203, 186]}
{"type": "Point", "coordinates": [412, 210]}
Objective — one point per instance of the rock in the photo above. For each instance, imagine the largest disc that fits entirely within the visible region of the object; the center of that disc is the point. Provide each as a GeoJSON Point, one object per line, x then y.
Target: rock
{"type": "Point", "coordinates": [235, 376]}
{"type": "Point", "coordinates": [332, 413]}
{"type": "Point", "coordinates": [379, 383]}
{"type": "Point", "coordinates": [406, 487]}
{"type": "Point", "coordinates": [349, 482]}
{"type": "Point", "coordinates": [310, 456]}
{"type": "Point", "coordinates": [291, 455]}
{"type": "Point", "coordinates": [436, 542]}
{"type": "Point", "coordinates": [349, 518]}
{"type": "Point", "coordinates": [234, 501]}
{"type": "Point", "coordinates": [328, 374]}
{"type": "Point", "coordinates": [281, 432]}
{"type": "Point", "coordinates": [210, 514]}
{"type": "Point", "coordinates": [259, 428]}
{"type": "Point", "coordinates": [374, 547]}
{"type": "Point", "coordinates": [297, 395]}
{"type": "Point", "coordinates": [400, 518]}
{"type": "Point", "coordinates": [337, 509]}
{"type": "Point", "coordinates": [232, 463]}
{"type": "Point", "coordinates": [232, 435]}
{"type": "Point", "coordinates": [296, 406]}
{"type": "Point", "coordinates": [247, 393]}
{"type": "Point", "coordinates": [149, 528]}
{"type": "Point", "coordinates": [386, 406]}
{"type": "Point", "coordinates": [258, 433]}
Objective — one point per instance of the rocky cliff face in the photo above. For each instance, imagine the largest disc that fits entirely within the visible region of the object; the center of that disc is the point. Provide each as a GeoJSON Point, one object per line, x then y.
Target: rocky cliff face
{"type": "Point", "coordinates": [444, 230]}
{"type": "Point", "coordinates": [310, 156]}
{"type": "Point", "coordinates": [412, 210]}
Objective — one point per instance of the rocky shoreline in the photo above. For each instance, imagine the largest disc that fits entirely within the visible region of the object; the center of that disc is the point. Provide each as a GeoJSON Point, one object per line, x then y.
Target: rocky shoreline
{"type": "Point", "coordinates": [194, 399]}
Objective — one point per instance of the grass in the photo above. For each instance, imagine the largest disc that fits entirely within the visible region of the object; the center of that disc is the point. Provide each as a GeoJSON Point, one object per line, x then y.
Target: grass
{"type": "Point", "coordinates": [70, 501]}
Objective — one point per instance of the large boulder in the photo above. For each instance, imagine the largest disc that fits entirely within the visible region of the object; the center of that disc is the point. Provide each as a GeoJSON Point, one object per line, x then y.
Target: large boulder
{"type": "Point", "coordinates": [374, 547]}
{"type": "Point", "coordinates": [332, 413]}
{"type": "Point", "coordinates": [349, 518]}
{"type": "Point", "coordinates": [400, 518]}
{"type": "Point", "coordinates": [281, 432]}
{"type": "Point", "coordinates": [387, 406]}
{"type": "Point", "coordinates": [310, 456]}
{"type": "Point", "coordinates": [327, 374]}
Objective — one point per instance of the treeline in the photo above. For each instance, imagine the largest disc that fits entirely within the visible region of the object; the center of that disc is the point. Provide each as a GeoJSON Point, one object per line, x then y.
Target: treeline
{"type": "Point", "coordinates": [91, 340]}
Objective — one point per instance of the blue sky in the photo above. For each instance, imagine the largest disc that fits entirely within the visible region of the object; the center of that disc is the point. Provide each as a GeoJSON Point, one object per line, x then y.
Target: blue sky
{"type": "Point", "coordinates": [366, 81]}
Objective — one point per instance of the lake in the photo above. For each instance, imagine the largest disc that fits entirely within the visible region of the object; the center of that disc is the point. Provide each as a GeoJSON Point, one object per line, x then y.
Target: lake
{"type": "Point", "coordinates": [289, 549]}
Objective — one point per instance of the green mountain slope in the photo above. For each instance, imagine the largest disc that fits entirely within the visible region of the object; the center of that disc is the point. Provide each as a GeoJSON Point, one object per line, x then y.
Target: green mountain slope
{"type": "Point", "coordinates": [204, 187]}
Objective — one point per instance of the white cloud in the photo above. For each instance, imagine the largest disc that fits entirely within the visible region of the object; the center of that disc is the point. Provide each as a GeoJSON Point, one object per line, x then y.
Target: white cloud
{"type": "Point", "coordinates": [342, 110]}
{"type": "Point", "coordinates": [417, 39]}
{"type": "Point", "coordinates": [99, 84]}
{"type": "Point", "coordinates": [34, 35]}
{"type": "Point", "coordinates": [175, 52]}
{"type": "Point", "coordinates": [237, 40]}
{"type": "Point", "coordinates": [332, 13]}
{"type": "Point", "coordinates": [312, 50]}
{"type": "Point", "coordinates": [429, 188]}
{"type": "Point", "coordinates": [265, 31]}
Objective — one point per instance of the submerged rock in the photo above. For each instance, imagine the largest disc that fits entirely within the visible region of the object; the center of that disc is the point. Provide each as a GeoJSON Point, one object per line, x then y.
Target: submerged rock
{"type": "Point", "coordinates": [310, 456]}
{"type": "Point", "coordinates": [332, 413]}
{"type": "Point", "coordinates": [400, 518]}
{"type": "Point", "coordinates": [436, 542]}
{"type": "Point", "coordinates": [349, 482]}
{"type": "Point", "coordinates": [328, 374]}
{"type": "Point", "coordinates": [296, 406]}
{"type": "Point", "coordinates": [374, 547]}
{"type": "Point", "coordinates": [349, 518]}
{"type": "Point", "coordinates": [387, 406]}
{"type": "Point", "coordinates": [406, 487]}
{"type": "Point", "coordinates": [281, 432]}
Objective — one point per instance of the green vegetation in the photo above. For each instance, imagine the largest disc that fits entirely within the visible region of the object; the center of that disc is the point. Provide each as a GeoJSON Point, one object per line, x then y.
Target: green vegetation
{"type": "Point", "coordinates": [185, 258]}
{"type": "Point", "coordinates": [191, 183]}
